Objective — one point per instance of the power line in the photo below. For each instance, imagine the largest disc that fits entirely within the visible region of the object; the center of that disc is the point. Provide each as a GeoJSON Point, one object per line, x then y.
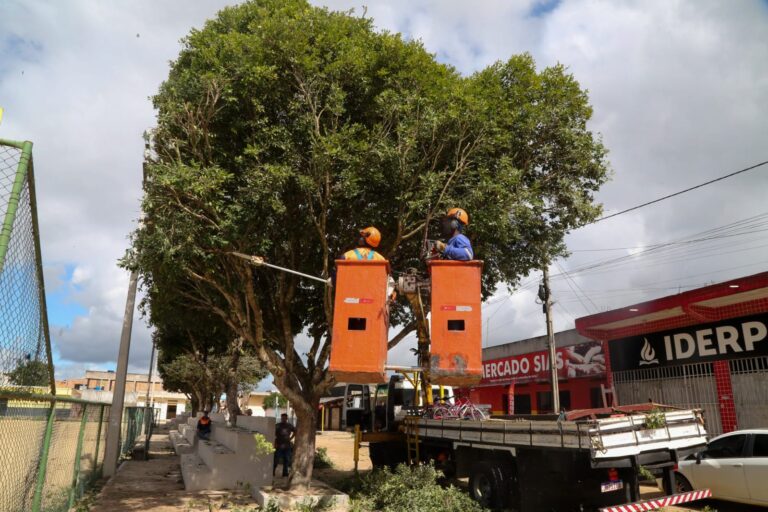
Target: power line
{"type": "Point", "coordinates": [568, 280]}
{"type": "Point", "coordinates": [643, 247]}
{"type": "Point", "coordinates": [679, 192]}
{"type": "Point", "coordinates": [737, 228]}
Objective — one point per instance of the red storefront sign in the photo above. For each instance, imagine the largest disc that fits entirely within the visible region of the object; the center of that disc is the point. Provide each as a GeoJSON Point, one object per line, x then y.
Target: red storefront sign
{"type": "Point", "coordinates": [583, 360]}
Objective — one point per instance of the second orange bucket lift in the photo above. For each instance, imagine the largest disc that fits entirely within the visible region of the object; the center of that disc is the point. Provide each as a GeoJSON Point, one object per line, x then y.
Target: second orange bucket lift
{"type": "Point", "coordinates": [456, 322]}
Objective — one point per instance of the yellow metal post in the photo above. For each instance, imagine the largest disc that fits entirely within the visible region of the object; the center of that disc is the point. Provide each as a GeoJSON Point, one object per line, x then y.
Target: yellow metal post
{"type": "Point", "coordinates": [322, 418]}
{"type": "Point", "coordinates": [412, 439]}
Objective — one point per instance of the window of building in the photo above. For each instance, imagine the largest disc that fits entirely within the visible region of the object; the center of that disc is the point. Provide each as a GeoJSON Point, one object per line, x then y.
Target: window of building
{"type": "Point", "coordinates": [522, 404]}
{"type": "Point", "coordinates": [595, 398]}
{"type": "Point", "coordinates": [543, 402]}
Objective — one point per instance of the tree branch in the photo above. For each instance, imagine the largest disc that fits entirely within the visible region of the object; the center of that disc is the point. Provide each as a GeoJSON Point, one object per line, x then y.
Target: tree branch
{"type": "Point", "coordinates": [400, 336]}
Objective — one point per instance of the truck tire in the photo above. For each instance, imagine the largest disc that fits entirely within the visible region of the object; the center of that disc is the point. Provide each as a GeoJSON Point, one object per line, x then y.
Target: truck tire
{"type": "Point", "coordinates": [387, 454]}
{"type": "Point", "coordinates": [489, 484]}
{"type": "Point", "coordinates": [682, 484]}
{"type": "Point", "coordinates": [377, 454]}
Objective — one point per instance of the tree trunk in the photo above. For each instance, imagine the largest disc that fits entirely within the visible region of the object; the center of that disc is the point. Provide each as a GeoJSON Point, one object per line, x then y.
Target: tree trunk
{"type": "Point", "coordinates": [304, 445]}
{"type": "Point", "coordinates": [195, 404]}
{"type": "Point", "coordinates": [233, 407]}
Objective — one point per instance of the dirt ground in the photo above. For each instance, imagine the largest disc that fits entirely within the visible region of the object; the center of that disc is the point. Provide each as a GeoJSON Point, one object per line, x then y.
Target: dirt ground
{"type": "Point", "coordinates": [155, 485]}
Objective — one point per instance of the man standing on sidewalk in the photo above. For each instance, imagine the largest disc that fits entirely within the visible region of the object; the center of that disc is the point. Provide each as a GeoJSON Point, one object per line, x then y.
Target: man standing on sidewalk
{"type": "Point", "coordinates": [284, 434]}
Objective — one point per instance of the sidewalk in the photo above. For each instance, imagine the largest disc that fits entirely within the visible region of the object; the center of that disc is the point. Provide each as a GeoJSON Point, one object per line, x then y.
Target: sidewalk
{"type": "Point", "coordinates": [155, 485]}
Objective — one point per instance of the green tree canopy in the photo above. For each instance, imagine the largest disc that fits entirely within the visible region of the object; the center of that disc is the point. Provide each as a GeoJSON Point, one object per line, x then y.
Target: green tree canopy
{"type": "Point", "coordinates": [29, 373]}
{"type": "Point", "coordinates": [275, 400]}
{"type": "Point", "coordinates": [283, 128]}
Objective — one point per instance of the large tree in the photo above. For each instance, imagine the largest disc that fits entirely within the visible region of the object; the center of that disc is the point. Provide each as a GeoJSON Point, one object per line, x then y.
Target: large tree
{"type": "Point", "coordinates": [283, 128]}
{"type": "Point", "coordinates": [29, 372]}
{"type": "Point", "coordinates": [198, 354]}
{"type": "Point", "coordinates": [204, 376]}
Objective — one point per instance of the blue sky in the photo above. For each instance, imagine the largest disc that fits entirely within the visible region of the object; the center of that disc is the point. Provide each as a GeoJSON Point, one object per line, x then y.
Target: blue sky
{"type": "Point", "coordinates": [63, 307]}
{"type": "Point", "coordinates": [679, 89]}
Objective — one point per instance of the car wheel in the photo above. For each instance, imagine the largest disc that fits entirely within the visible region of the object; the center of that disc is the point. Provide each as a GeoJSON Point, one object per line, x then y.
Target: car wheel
{"type": "Point", "coordinates": [488, 485]}
{"type": "Point", "coordinates": [682, 484]}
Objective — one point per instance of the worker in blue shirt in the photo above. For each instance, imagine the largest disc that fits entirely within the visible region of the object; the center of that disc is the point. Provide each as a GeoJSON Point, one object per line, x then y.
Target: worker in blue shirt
{"type": "Point", "coordinates": [458, 247]}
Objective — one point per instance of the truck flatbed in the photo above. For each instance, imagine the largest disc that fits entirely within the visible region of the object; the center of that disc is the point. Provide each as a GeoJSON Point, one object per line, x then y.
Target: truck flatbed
{"type": "Point", "coordinates": [605, 438]}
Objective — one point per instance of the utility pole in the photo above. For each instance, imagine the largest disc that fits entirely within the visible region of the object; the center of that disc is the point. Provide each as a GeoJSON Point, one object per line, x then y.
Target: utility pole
{"type": "Point", "coordinates": [112, 449]}
{"type": "Point", "coordinates": [546, 301]}
{"type": "Point", "coordinates": [112, 443]}
{"type": "Point", "coordinates": [149, 403]}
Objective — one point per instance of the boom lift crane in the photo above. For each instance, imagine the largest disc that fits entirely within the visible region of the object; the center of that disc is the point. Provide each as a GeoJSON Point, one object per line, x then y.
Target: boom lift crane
{"type": "Point", "coordinates": [445, 300]}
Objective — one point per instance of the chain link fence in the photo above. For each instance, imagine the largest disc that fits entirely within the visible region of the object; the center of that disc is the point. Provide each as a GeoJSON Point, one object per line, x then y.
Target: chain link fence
{"type": "Point", "coordinates": [25, 360]}
{"type": "Point", "coordinates": [51, 447]}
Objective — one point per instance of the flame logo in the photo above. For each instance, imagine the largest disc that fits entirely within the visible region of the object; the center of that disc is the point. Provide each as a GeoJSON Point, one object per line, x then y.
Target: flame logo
{"type": "Point", "coordinates": [647, 354]}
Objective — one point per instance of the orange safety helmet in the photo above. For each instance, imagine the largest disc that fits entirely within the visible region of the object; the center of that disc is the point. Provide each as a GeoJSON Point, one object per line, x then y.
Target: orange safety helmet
{"type": "Point", "coordinates": [371, 235]}
{"type": "Point", "coordinates": [459, 214]}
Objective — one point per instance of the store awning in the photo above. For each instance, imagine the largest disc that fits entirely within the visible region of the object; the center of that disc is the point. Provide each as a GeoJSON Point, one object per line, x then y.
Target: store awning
{"type": "Point", "coordinates": [731, 299]}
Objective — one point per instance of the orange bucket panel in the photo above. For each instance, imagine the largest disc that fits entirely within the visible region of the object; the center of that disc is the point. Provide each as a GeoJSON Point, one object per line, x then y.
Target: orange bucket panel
{"type": "Point", "coordinates": [456, 330]}
{"type": "Point", "coordinates": [360, 322]}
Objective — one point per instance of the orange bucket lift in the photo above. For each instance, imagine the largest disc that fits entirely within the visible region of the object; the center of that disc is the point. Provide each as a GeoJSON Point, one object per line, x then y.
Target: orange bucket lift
{"type": "Point", "coordinates": [360, 322]}
{"type": "Point", "coordinates": [456, 322]}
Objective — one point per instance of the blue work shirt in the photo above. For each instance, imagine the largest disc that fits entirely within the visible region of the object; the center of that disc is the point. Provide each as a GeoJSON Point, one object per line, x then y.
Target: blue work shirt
{"type": "Point", "coordinates": [459, 248]}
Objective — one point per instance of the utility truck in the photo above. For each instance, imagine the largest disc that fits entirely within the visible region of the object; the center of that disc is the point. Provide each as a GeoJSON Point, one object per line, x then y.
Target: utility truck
{"type": "Point", "coordinates": [578, 461]}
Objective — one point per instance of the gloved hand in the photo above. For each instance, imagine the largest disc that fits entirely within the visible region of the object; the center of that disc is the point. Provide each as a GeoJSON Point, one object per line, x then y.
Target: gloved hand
{"type": "Point", "coordinates": [440, 246]}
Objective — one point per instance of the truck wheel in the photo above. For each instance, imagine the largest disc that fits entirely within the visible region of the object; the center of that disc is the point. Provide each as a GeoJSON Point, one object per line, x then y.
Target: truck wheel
{"type": "Point", "coordinates": [488, 485]}
{"type": "Point", "coordinates": [387, 454]}
{"type": "Point", "coordinates": [682, 484]}
{"type": "Point", "coordinates": [378, 456]}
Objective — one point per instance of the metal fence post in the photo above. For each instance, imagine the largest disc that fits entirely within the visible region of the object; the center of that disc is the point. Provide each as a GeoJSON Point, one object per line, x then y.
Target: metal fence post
{"type": "Point", "coordinates": [13, 201]}
{"type": "Point", "coordinates": [38, 498]}
{"type": "Point", "coordinates": [98, 440]}
{"type": "Point", "coordinates": [78, 454]}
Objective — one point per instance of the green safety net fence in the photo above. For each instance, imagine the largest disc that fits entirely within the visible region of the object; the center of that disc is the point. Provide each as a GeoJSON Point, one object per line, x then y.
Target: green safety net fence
{"type": "Point", "coordinates": [25, 349]}
{"type": "Point", "coordinates": [51, 447]}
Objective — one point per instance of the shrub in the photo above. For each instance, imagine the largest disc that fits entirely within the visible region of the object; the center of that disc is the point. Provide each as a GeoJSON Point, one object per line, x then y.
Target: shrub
{"type": "Point", "coordinates": [645, 474]}
{"type": "Point", "coordinates": [409, 489]}
{"type": "Point", "coordinates": [655, 419]}
{"type": "Point", "coordinates": [322, 460]}
{"type": "Point", "coordinates": [263, 446]}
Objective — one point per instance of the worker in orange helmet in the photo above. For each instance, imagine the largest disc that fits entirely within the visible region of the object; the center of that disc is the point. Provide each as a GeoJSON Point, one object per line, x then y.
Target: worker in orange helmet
{"type": "Point", "coordinates": [452, 226]}
{"type": "Point", "coordinates": [369, 239]}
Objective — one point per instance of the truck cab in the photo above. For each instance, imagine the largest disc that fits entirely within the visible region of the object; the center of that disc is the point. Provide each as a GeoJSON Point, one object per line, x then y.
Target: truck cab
{"type": "Point", "coordinates": [393, 401]}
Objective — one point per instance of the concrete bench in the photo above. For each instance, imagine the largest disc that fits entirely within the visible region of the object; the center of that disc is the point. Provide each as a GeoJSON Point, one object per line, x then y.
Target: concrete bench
{"type": "Point", "coordinates": [184, 439]}
{"type": "Point", "coordinates": [229, 459]}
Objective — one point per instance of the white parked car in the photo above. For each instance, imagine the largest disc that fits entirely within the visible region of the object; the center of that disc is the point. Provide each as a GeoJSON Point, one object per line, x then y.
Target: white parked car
{"type": "Point", "coordinates": [733, 466]}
